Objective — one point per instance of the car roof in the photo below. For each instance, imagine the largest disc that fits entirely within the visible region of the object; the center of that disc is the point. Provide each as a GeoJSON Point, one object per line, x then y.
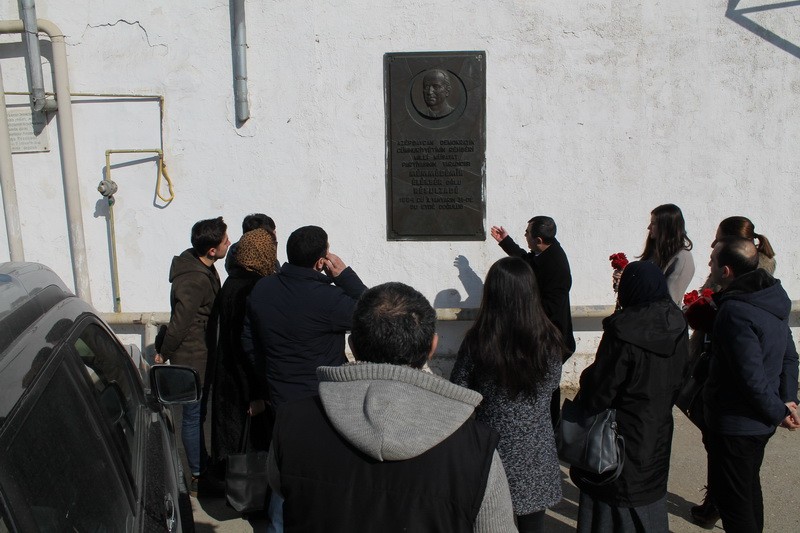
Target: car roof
{"type": "Point", "coordinates": [27, 292]}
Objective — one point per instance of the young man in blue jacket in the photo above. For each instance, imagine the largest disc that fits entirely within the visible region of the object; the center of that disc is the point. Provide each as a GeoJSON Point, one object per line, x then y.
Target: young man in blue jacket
{"type": "Point", "coordinates": [752, 383]}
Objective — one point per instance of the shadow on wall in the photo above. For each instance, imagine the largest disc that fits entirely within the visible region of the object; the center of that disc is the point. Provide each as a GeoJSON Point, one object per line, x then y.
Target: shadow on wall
{"type": "Point", "coordinates": [472, 283]}
{"type": "Point", "coordinates": [739, 17]}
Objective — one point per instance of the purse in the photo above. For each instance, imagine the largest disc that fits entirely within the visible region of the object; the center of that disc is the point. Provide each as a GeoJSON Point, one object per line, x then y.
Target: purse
{"type": "Point", "coordinates": [690, 397]}
{"type": "Point", "coordinates": [591, 443]}
{"type": "Point", "coordinates": [246, 483]}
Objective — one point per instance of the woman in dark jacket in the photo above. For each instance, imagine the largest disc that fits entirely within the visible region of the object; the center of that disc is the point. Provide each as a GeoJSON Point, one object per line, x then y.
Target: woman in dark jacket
{"type": "Point", "coordinates": [512, 356]}
{"type": "Point", "coordinates": [638, 370]}
{"type": "Point", "coordinates": [237, 391]}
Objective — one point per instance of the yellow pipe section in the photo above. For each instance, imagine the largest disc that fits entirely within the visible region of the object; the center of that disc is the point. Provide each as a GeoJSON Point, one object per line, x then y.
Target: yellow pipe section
{"type": "Point", "coordinates": [162, 171]}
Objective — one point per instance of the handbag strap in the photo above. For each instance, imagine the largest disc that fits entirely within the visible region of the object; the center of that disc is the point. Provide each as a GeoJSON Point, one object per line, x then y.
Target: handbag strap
{"type": "Point", "coordinates": [245, 434]}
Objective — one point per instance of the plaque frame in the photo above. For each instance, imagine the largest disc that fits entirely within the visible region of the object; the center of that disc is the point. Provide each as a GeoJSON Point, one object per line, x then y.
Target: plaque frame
{"type": "Point", "coordinates": [435, 105]}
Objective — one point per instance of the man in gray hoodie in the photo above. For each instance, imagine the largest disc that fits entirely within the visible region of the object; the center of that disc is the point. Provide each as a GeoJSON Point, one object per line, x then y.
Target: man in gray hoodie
{"type": "Point", "coordinates": [386, 446]}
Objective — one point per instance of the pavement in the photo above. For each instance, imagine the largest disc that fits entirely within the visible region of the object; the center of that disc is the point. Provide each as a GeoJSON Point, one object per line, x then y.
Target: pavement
{"type": "Point", "coordinates": [780, 479]}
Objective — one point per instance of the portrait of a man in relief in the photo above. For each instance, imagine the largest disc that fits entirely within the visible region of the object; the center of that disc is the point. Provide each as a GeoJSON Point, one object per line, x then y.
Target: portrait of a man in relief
{"type": "Point", "coordinates": [436, 88]}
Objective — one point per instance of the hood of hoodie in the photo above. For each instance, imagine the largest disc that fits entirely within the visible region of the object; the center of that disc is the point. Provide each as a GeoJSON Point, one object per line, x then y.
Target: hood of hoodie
{"type": "Point", "coordinates": [185, 263]}
{"type": "Point", "coordinates": [655, 327]}
{"type": "Point", "coordinates": [390, 412]}
{"type": "Point", "coordinates": [759, 289]}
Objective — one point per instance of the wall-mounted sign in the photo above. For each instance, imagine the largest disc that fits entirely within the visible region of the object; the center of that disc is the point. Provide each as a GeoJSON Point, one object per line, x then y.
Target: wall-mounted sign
{"type": "Point", "coordinates": [436, 145]}
{"type": "Point", "coordinates": [28, 130]}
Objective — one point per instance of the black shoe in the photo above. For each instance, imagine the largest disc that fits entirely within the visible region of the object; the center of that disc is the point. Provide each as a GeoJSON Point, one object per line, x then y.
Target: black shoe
{"type": "Point", "coordinates": [706, 514]}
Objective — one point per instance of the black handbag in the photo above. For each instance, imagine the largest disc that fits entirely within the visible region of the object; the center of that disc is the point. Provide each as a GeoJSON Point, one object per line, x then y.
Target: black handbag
{"type": "Point", "coordinates": [591, 442]}
{"type": "Point", "coordinates": [690, 397]}
{"type": "Point", "coordinates": [246, 484]}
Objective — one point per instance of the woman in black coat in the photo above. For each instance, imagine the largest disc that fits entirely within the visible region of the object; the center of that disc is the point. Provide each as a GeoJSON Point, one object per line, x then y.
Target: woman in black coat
{"type": "Point", "coordinates": [638, 370]}
{"type": "Point", "coordinates": [237, 391]}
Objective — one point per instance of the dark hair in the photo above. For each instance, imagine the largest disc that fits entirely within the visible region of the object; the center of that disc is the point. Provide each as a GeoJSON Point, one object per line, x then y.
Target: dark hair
{"type": "Point", "coordinates": [394, 324]}
{"type": "Point", "coordinates": [512, 339]}
{"type": "Point", "coordinates": [544, 228]}
{"type": "Point", "coordinates": [306, 245]}
{"type": "Point", "coordinates": [738, 254]}
{"type": "Point", "coordinates": [207, 234]}
{"type": "Point", "coordinates": [744, 228]}
{"type": "Point", "coordinates": [670, 237]}
{"type": "Point", "coordinates": [256, 221]}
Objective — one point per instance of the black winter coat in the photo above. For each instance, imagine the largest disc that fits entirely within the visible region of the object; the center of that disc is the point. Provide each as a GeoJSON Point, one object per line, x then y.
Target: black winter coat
{"type": "Point", "coordinates": [235, 382]}
{"type": "Point", "coordinates": [554, 278]}
{"type": "Point", "coordinates": [192, 331]}
{"type": "Point", "coordinates": [296, 321]}
{"type": "Point", "coordinates": [331, 486]}
{"type": "Point", "coordinates": [638, 370]}
{"type": "Point", "coordinates": [753, 366]}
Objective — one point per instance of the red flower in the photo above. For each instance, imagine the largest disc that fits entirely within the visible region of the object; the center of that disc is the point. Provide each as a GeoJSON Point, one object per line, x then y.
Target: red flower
{"type": "Point", "coordinates": [691, 297]}
{"type": "Point", "coordinates": [699, 309]}
{"type": "Point", "coordinates": [618, 261]}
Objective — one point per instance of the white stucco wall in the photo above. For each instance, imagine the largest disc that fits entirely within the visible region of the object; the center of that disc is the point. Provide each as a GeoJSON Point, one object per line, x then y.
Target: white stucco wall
{"type": "Point", "coordinates": [596, 113]}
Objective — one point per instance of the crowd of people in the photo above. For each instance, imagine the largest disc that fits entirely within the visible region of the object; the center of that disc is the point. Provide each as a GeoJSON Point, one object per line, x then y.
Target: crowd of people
{"type": "Point", "coordinates": [381, 444]}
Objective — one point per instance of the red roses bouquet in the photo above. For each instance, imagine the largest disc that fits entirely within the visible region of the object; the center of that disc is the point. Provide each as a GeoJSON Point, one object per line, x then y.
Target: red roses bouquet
{"type": "Point", "coordinates": [618, 263]}
{"type": "Point", "coordinates": [699, 309]}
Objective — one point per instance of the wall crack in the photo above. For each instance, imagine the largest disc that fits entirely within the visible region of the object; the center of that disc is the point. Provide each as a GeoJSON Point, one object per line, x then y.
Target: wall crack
{"type": "Point", "coordinates": [129, 23]}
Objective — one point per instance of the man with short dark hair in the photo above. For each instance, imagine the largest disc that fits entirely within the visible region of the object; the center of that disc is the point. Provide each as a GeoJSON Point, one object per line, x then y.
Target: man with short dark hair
{"type": "Point", "coordinates": [553, 275]}
{"type": "Point", "coordinates": [191, 335]}
{"type": "Point", "coordinates": [386, 446]}
{"type": "Point", "coordinates": [250, 222]}
{"type": "Point", "coordinates": [296, 320]}
{"type": "Point", "coordinates": [752, 381]}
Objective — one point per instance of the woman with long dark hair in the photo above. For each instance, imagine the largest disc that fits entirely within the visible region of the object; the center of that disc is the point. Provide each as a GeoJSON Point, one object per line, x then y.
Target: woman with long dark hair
{"type": "Point", "coordinates": [638, 370]}
{"type": "Point", "coordinates": [512, 356]}
{"type": "Point", "coordinates": [668, 246]}
{"type": "Point", "coordinates": [706, 513]}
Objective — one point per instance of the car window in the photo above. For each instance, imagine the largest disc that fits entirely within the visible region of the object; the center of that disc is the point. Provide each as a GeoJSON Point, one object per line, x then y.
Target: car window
{"type": "Point", "coordinates": [108, 367]}
{"type": "Point", "coordinates": [57, 469]}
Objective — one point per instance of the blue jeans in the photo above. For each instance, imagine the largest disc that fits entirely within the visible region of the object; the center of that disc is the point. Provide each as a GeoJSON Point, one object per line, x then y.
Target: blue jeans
{"type": "Point", "coordinates": [275, 513]}
{"type": "Point", "coordinates": [192, 436]}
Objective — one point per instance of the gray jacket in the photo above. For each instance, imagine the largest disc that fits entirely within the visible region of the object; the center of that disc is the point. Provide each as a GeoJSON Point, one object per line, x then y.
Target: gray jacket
{"type": "Point", "coordinates": [392, 413]}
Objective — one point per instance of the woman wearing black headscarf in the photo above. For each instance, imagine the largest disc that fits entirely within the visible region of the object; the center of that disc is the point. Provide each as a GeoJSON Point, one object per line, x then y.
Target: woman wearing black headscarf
{"type": "Point", "coordinates": [638, 370]}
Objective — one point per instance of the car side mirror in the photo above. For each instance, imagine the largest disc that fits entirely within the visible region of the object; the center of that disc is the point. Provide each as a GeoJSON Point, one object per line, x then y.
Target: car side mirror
{"type": "Point", "coordinates": [174, 384]}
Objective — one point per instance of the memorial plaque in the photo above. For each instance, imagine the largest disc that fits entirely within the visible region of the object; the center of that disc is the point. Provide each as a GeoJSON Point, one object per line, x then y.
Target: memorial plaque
{"type": "Point", "coordinates": [28, 131]}
{"type": "Point", "coordinates": [435, 145]}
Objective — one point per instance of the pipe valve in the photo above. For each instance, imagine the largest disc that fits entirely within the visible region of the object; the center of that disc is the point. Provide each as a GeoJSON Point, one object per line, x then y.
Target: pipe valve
{"type": "Point", "coordinates": [107, 188]}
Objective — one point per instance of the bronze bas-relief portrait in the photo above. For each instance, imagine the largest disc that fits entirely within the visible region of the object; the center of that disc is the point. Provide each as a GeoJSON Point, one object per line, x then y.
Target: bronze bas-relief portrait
{"type": "Point", "coordinates": [436, 88]}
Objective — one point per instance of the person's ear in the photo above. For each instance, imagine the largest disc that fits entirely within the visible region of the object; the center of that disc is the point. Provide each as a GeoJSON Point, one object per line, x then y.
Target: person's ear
{"type": "Point", "coordinates": [434, 345]}
{"type": "Point", "coordinates": [320, 264]}
{"type": "Point", "coordinates": [727, 272]}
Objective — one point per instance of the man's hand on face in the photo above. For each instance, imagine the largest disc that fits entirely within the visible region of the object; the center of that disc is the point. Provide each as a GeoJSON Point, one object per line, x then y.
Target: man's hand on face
{"type": "Point", "coordinates": [499, 233]}
{"type": "Point", "coordinates": [334, 265]}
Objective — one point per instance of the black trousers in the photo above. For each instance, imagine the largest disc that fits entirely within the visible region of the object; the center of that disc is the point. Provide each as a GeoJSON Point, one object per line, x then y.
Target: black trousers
{"type": "Point", "coordinates": [531, 523]}
{"type": "Point", "coordinates": [734, 464]}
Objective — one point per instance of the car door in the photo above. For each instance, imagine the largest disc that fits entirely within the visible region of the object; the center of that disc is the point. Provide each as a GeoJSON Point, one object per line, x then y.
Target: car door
{"type": "Point", "coordinates": [139, 430]}
{"type": "Point", "coordinates": [60, 471]}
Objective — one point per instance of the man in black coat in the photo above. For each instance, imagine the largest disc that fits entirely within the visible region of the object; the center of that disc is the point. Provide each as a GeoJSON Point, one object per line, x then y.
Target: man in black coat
{"type": "Point", "coordinates": [297, 319]}
{"type": "Point", "coordinates": [752, 381]}
{"type": "Point", "coordinates": [551, 266]}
